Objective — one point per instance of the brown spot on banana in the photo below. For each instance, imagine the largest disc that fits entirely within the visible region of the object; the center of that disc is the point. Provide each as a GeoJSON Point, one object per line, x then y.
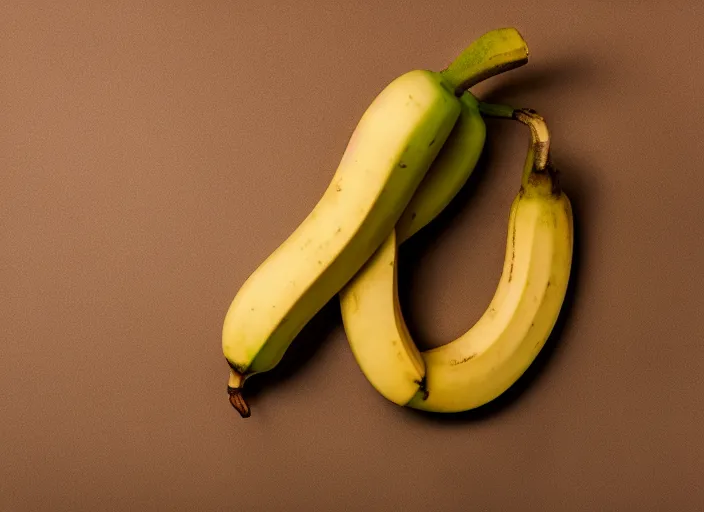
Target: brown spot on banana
{"type": "Point", "coordinates": [455, 362]}
{"type": "Point", "coordinates": [513, 253]}
{"type": "Point", "coordinates": [423, 387]}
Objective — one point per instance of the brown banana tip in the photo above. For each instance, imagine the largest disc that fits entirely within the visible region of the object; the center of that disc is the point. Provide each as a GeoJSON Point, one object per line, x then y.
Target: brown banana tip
{"type": "Point", "coordinates": [238, 402]}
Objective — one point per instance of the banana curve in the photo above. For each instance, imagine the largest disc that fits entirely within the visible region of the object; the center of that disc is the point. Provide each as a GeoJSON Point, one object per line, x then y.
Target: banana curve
{"type": "Point", "coordinates": [491, 356]}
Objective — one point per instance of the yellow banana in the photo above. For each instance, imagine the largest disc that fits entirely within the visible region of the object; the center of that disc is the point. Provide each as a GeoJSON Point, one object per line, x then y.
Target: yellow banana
{"type": "Point", "coordinates": [389, 153]}
{"type": "Point", "coordinates": [375, 284]}
{"type": "Point", "coordinates": [481, 364]}
{"type": "Point", "coordinates": [449, 171]}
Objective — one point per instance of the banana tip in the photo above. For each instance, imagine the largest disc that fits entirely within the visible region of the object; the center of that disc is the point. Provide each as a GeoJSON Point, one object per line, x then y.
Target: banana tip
{"type": "Point", "coordinates": [238, 402]}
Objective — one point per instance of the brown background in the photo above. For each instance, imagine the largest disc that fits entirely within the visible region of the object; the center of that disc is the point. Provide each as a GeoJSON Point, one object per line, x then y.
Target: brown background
{"type": "Point", "coordinates": [152, 154]}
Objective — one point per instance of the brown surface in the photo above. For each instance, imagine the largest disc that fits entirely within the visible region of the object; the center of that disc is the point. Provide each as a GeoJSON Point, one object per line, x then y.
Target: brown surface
{"type": "Point", "coordinates": [153, 154]}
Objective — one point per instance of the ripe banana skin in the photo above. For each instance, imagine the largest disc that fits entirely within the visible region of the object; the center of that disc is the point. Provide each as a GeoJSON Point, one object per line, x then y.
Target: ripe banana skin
{"type": "Point", "coordinates": [481, 364]}
{"type": "Point", "coordinates": [389, 153]}
{"type": "Point", "coordinates": [379, 315]}
{"type": "Point", "coordinates": [449, 172]}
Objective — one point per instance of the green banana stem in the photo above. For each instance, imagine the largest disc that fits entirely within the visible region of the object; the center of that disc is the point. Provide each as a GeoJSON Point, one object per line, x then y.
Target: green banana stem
{"type": "Point", "coordinates": [493, 53]}
{"type": "Point", "coordinates": [496, 110]}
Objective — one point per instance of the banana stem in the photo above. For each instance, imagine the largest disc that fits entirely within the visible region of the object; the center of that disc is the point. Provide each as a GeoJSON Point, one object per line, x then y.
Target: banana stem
{"type": "Point", "coordinates": [496, 110]}
{"type": "Point", "coordinates": [540, 136]}
{"type": "Point", "coordinates": [539, 152]}
{"type": "Point", "coordinates": [239, 403]}
{"type": "Point", "coordinates": [493, 53]}
{"type": "Point", "coordinates": [539, 175]}
{"type": "Point", "coordinates": [234, 389]}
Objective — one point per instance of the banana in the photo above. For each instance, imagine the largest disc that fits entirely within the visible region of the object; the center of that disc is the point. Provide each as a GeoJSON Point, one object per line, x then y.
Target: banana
{"type": "Point", "coordinates": [387, 156]}
{"type": "Point", "coordinates": [484, 362]}
{"type": "Point", "coordinates": [375, 285]}
{"type": "Point", "coordinates": [449, 171]}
